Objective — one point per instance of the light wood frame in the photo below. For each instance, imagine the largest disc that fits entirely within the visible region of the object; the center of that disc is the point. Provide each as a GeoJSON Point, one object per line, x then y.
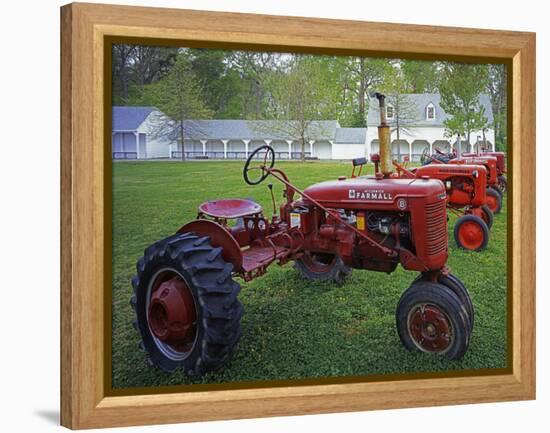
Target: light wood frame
{"type": "Point", "coordinates": [84, 400]}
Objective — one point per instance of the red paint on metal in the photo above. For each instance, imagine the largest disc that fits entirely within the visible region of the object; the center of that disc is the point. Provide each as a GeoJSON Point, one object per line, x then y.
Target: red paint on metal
{"type": "Point", "coordinates": [219, 236]}
{"type": "Point", "coordinates": [492, 203]}
{"type": "Point", "coordinates": [172, 313]}
{"type": "Point", "coordinates": [490, 163]}
{"type": "Point", "coordinates": [470, 235]}
{"type": "Point", "coordinates": [230, 208]}
{"type": "Point", "coordinates": [500, 156]}
{"type": "Point", "coordinates": [465, 184]}
{"type": "Point", "coordinates": [430, 328]}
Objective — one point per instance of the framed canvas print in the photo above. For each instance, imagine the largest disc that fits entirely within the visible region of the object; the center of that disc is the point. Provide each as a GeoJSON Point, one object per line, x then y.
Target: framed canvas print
{"type": "Point", "coordinates": [268, 216]}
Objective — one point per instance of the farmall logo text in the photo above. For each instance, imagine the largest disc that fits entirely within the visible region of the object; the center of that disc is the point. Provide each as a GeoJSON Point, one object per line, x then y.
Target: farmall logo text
{"type": "Point", "coordinates": [370, 195]}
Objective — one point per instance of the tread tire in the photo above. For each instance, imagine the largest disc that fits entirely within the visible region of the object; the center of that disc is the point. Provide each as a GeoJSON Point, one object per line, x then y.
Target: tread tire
{"type": "Point", "coordinates": [219, 311]}
{"type": "Point", "coordinates": [337, 273]}
{"type": "Point", "coordinates": [434, 293]}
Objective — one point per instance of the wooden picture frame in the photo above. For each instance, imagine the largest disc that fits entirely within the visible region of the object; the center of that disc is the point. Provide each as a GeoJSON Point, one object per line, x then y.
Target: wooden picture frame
{"type": "Point", "coordinates": [85, 271]}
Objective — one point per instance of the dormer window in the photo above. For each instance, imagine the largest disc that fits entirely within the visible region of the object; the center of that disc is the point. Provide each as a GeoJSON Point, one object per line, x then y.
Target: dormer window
{"type": "Point", "coordinates": [389, 112]}
{"type": "Point", "coordinates": [430, 112]}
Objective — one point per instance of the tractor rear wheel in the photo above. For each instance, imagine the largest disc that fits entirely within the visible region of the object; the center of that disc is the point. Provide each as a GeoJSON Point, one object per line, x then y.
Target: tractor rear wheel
{"type": "Point", "coordinates": [487, 216]}
{"type": "Point", "coordinates": [494, 200]}
{"type": "Point", "coordinates": [502, 183]}
{"type": "Point", "coordinates": [322, 267]}
{"type": "Point", "coordinates": [186, 305]}
{"type": "Point", "coordinates": [431, 318]}
{"type": "Point", "coordinates": [471, 233]}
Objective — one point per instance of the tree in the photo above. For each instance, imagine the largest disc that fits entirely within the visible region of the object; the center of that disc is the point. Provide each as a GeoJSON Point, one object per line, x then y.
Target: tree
{"type": "Point", "coordinates": [461, 87]}
{"type": "Point", "coordinates": [420, 76]}
{"type": "Point", "coordinates": [364, 74]}
{"type": "Point", "coordinates": [220, 83]}
{"type": "Point", "coordinates": [497, 88]}
{"type": "Point", "coordinates": [395, 87]}
{"type": "Point", "coordinates": [298, 98]}
{"type": "Point", "coordinates": [121, 71]}
{"type": "Point", "coordinates": [135, 67]}
{"type": "Point", "coordinates": [253, 68]}
{"type": "Point", "coordinates": [179, 97]}
{"type": "Point", "coordinates": [152, 63]}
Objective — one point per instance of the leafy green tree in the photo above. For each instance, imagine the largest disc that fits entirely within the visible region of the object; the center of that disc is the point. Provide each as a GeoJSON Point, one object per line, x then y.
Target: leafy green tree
{"type": "Point", "coordinates": [298, 98]}
{"type": "Point", "coordinates": [221, 84]}
{"type": "Point", "coordinates": [460, 89]}
{"type": "Point", "coordinates": [122, 55]}
{"type": "Point", "coordinates": [497, 89]}
{"type": "Point", "coordinates": [254, 68]}
{"type": "Point", "coordinates": [137, 66]}
{"type": "Point", "coordinates": [420, 76]}
{"type": "Point", "coordinates": [364, 75]}
{"type": "Point", "coordinates": [179, 97]}
{"type": "Point", "coordinates": [403, 108]}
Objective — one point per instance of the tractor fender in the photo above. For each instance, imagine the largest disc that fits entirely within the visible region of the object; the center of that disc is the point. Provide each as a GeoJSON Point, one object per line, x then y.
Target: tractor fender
{"type": "Point", "coordinates": [219, 237]}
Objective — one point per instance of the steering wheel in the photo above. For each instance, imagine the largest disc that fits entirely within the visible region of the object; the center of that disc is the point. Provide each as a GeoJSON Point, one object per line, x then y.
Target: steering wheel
{"type": "Point", "coordinates": [267, 162]}
{"type": "Point", "coordinates": [425, 157]}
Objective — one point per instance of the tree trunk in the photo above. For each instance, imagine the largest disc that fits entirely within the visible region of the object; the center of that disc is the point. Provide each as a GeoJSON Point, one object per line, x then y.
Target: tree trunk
{"type": "Point", "coordinates": [182, 137]}
{"type": "Point", "coordinates": [303, 146]}
{"type": "Point", "coordinates": [124, 80]}
{"type": "Point", "coordinates": [362, 90]}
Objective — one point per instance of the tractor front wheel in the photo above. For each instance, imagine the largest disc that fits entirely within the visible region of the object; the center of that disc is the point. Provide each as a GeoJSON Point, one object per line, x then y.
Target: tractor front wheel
{"type": "Point", "coordinates": [454, 283]}
{"type": "Point", "coordinates": [487, 216]}
{"type": "Point", "coordinates": [431, 318]}
{"type": "Point", "coordinates": [502, 183]}
{"type": "Point", "coordinates": [471, 233]}
{"type": "Point", "coordinates": [185, 301]}
{"type": "Point", "coordinates": [322, 267]}
{"type": "Point", "coordinates": [494, 200]}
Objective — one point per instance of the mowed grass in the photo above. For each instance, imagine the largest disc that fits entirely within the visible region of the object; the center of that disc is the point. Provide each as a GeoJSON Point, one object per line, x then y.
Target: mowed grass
{"type": "Point", "coordinates": [292, 328]}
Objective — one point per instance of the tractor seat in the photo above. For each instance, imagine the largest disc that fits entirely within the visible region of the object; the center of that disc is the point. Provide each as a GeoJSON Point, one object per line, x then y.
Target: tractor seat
{"type": "Point", "coordinates": [230, 208]}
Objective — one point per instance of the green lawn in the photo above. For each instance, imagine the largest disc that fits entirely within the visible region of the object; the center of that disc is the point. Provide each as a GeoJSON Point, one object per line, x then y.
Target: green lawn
{"type": "Point", "coordinates": [291, 328]}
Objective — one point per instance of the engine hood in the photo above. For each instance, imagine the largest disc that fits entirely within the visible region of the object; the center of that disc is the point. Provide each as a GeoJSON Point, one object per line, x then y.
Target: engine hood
{"type": "Point", "coordinates": [369, 190]}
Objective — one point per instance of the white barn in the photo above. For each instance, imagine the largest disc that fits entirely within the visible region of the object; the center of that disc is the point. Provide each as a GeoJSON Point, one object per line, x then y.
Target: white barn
{"type": "Point", "coordinates": [132, 134]}
{"type": "Point", "coordinates": [228, 139]}
{"type": "Point", "coordinates": [426, 130]}
{"type": "Point", "coordinates": [135, 135]}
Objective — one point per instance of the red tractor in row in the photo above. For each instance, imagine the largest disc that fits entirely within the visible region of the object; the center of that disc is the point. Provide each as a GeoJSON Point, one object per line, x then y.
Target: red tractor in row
{"type": "Point", "coordinates": [186, 298]}
{"type": "Point", "coordinates": [494, 192]}
{"type": "Point", "coordinates": [466, 187]}
{"type": "Point", "coordinates": [500, 166]}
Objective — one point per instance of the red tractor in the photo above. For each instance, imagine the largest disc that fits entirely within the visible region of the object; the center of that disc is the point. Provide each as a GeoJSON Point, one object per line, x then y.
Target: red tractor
{"type": "Point", "coordinates": [466, 187]}
{"type": "Point", "coordinates": [501, 166]}
{"type": "Point", "coordinates": [494, 193]}
{"type": "Point", "coordinates": [186, 299]}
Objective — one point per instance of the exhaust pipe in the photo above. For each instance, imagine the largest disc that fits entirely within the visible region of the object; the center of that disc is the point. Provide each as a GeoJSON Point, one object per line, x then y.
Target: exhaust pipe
{"type": "Point", "coordinates": [384, 137]}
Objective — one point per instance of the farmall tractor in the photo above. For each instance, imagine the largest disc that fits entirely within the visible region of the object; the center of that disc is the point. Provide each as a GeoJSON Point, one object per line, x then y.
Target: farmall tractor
{"type": "Point", "coordinates": [501, 166]}
{"type": "Point", "coordinates": [186, 299]}
{"type": "Point", "coordinates": [494, 192]}
{"type": "Point", "coordinates": [466, 187]}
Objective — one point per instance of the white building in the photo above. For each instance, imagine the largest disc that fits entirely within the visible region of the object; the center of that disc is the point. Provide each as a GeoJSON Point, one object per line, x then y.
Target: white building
{"type": "Point", "coordinates": [135, 135]}
{"type": "Point", "coordinates": [228, 139]}
{"type": "Point", "coordinates": [425, 129]}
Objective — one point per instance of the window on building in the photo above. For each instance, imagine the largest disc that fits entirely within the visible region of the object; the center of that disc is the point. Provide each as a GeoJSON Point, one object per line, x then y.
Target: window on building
{"type": "Point", "coordinates": [430, 112]}
{"type": "Point", "coordinates": [389, 112]}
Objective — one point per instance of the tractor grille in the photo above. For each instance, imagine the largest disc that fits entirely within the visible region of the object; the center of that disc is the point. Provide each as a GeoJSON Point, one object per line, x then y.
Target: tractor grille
{"type": "Point", "coordinates": [436, 228]}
